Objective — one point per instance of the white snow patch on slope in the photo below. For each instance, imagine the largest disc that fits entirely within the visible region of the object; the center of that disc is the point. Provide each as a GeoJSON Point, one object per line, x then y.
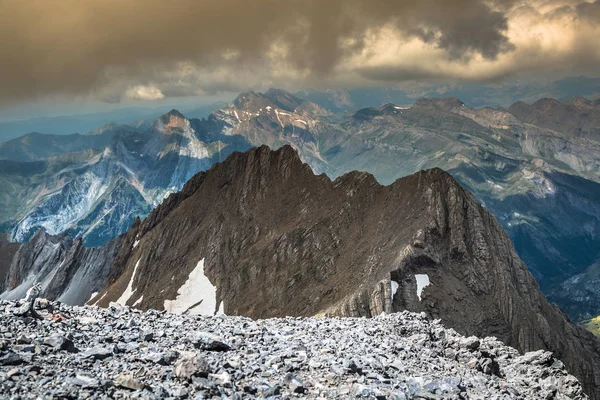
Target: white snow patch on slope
{"type": "Point", "coordinates": [197, 289]}
{"type": "Point", "coordinates": [394, 289]}
{"type": "Point", "coordinates": [97, 301]}
{"type": "Point", "coordinates": [92, 296]}
{"type": "Point", "coordinates": [138, 301]}
{"type": "Point", "coordinates": [129, 290]}
{"type": "Point", "coordinates": [221, 310]}
{"type": "Point", "coordinates": [135, 243]}
{"type": "Point", "coordinates": [422, 283]}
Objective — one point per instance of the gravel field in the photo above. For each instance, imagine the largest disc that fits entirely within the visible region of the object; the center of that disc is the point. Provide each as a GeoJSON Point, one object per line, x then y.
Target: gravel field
{"type": "Point", "coordinates": [118, 352]}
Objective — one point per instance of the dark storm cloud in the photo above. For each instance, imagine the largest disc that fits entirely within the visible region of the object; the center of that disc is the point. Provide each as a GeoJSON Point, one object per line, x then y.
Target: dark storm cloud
{"type": "Point", "coordinates": [80, 47]}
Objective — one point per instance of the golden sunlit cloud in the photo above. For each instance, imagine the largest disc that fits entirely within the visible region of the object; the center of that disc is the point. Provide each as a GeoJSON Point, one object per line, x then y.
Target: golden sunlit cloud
{"type": "Point", "coordinates": [150, 49]}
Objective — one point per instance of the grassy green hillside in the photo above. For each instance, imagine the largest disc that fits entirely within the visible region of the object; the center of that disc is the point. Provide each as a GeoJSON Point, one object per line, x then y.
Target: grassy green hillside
{"type": "Point", "coordinates": [593, 325]}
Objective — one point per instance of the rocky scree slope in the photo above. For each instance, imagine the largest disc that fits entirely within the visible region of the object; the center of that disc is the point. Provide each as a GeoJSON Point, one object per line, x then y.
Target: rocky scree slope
{"type": "Point", "coordinates": [269, 238]}
{"type": "Point", "coordinates": [119, 352]}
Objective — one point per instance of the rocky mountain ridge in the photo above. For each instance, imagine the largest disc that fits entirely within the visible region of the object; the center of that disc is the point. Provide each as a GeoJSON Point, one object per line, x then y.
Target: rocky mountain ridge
{"type": "Point", "coordinates": [264, 237]}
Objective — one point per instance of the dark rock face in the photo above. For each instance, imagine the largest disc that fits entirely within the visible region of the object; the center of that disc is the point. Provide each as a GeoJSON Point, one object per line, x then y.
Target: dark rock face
{"type": "Point", "coordinates": [276, 240]}
{"type": "Point", "coordinates": [7, 252]}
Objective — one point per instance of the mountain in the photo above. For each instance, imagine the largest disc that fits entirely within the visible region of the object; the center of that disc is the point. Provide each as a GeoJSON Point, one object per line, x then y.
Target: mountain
{"type": "Point", "coordinates": [578, 116]}
{"type": "Point", "coordinates": [542, 185]}
{"type": "Point", "coordinates": [476, 94]}
{"type": "Point", "coordinates": [263, 236]}
{"type": "Point", "coordinates": [94, 185]}
{"type": "Point", "coordinates": [69, 124]}
{"type": "Point", "coordinates": [36, 146]}
{"type": "Point", "coordinates": [532, 171]}
{"type": "Point", "coordinates": [97, 193]}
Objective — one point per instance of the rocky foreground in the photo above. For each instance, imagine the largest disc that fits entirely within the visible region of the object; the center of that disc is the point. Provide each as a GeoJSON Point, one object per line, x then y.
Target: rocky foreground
{"type": "Point", "coordinates": [118, 352]}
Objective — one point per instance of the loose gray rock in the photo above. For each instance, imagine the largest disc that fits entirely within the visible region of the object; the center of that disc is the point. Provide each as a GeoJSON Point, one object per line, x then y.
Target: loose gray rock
{"type": "Point", "coordinates": [98, 353]}
{"type": "Point", "coordinates": [190, 364]}
{"type": "Point", "coordinates": [392, 356]}
{"type": "Point", "coordinates": [127, 381]}
{"type": "Point", "coordinates": [210, 342]}
{"type": "Point", "coordinates": [60, 342]}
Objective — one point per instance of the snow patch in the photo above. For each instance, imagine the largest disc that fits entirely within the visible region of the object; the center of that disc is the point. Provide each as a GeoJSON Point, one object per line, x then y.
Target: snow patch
{"type": "Point", "coordinates": [394, 289]}
{"type": "Point", "coordinates": [221, 310]}
{"type": "Point", "coordinates": [92, 296]}
{"type": "Point", "coordinates": [135, 243]}
{"type": "Point", "coordinates": [138, 301]}
{"type": "Point", "coordinates": [103, 296]}
{"type": "Point", "coordinates": [422, 283]}
{"type": "Point", "coordinates": [129, 290]}
{"type": "Point", "coordinates": [198, 295]}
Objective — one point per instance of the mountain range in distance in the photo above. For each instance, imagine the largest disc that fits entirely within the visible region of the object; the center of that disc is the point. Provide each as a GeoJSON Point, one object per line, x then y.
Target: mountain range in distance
{"type": "Point", "coordinates": [336, 100]}
{"type": "Point", "coordinates": [535, 167]}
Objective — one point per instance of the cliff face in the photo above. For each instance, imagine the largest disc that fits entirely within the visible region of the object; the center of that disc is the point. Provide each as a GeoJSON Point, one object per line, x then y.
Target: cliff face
{"type": "Point", "coordinates": [260, 235]}
{"type": "Point", "coordinates": [68, 271]}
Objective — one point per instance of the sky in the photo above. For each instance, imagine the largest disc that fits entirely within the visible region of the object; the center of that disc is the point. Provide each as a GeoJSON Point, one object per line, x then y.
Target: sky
{"type": "Point", "coordinates": [100, 54]}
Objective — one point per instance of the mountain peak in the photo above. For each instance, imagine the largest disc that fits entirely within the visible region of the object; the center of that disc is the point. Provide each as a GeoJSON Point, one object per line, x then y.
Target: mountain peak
{"type": "Point", "coordinates": [277, 98]}
{"type": "Point", "coordinates": [173, 113]}
{"type": "Point", "coordinates": [173, 119]}
{"type": "Point", "coordinates": [445, 103]}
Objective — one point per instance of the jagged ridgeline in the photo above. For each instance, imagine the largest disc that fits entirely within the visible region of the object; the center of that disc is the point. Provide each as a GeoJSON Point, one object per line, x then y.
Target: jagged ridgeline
{"type": "Point", "coordinates": [263, 236]}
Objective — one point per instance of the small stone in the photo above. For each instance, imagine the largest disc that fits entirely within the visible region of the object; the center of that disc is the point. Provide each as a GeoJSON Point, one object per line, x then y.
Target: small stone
{"type": "Point", "coordinates": [223, 379]}
{"type": "Point", "coordinates": [85, 381]}
{"type": "Point", "coordinates": [294, 384]}
{"type": "Point", "coordinates": [146, 336]}
{"type": "Point", "coordinates": [127, 381]}
{"type": "Point", "coordinates": [97, 353]}
{"type": "Point", "coordinates": [179, 391]}
{"type": "Point", "coordinates": [210, 342]}
{"type": "Point", "coordinates": [14, 372]}
{"type": "Point", "coordinates": [11, 358]}
{"type": "Point", "coordinates": [59, 342]}
{"type": "Point", "coordinates": [190, 364]}
{"type": "Point", "coordinates": [471, 343]}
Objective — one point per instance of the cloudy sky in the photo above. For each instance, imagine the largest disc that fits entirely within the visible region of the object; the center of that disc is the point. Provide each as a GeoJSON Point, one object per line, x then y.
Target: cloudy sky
{"type": "Point", "coordinates": [152, 50]}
